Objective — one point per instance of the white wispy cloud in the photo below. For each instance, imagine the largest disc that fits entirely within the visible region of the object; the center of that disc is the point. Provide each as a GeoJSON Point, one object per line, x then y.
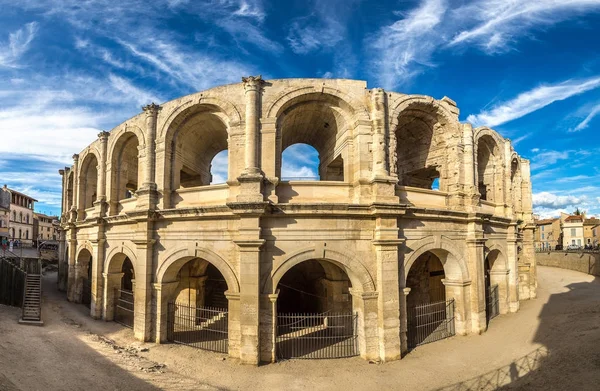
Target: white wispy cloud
{"type": "Point", "coordinates": [136, 94]}
{"type": "Point", "coordinates": [548, 158]}
{"type": "Point", "coordinates": [18, 43]}
{"type": "Point", "coordinates": [405, 47]}
{"type": "Point", "coordinates": [532, 100]}
{"type": "Point", "coordinates": [500, 23]}
{"type": "Point", "coordinates": [586, 122]}
{"type": "Point", "coordinates": [550, 200]}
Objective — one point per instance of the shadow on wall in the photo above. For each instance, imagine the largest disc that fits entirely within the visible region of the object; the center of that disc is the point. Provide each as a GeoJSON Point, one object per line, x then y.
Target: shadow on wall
{"type": "Point", "coordinates": [569, 332]}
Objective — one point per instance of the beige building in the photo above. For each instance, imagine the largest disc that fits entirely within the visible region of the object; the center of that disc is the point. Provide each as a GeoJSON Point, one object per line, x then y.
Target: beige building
{"type": "Point", "coordinates": [44, 227]}
{"type": "Point", "coordinates": [591, 231]}
{"type": "Point", "coordinates": [351, 256]}
{"type": "Point", "coordinates": [4, 212]}
{"type": "Point", "coordinates": [573, 231]}
{"type": "Point", "coordinates": [21, 217]}
{"type": "Point", "coordinates": [548, 234]}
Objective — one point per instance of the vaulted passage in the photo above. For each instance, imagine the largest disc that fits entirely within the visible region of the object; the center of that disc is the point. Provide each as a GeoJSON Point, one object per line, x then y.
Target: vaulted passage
{"type": "Point", "coordinates": [489, 173]}
{"type": "Point", "coordinates": [127, 174]}
{"type": "Point", "coordinates": [197, 311]}
{"type": "Point", "coordinates": [320, 124]}
{"type": "Point", "coordinates": [420, 152]}
{"type": "Point", "coordinates": [88, 181]}
{"type": "Point", "coordinates": [84, 277]}
{"type": "Point", "coordinates": [430, 317]}
{"type": "Point", "coordinates": [198, 140]}
{"type": "Point", "coordinates": [315, 318]}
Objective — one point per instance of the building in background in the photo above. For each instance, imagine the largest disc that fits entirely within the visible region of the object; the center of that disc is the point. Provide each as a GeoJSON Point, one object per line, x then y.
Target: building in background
{"type": "Point", "coordinates": [4, 212]}
{"type": "Point", "coordinates": [573, 230]}
{"type": "Point", "coordinates": [44, 228]}
{"type": "Point", "coordinates": [548, 234]}
{"type": "Point", "coordinates": [21, 217]}
{"type": "Point", "coordinates": [591, 231]}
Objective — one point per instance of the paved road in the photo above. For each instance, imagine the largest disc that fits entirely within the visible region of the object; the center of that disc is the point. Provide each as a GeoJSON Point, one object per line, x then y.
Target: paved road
{"type": "Point", "coordinates": [551, 344]}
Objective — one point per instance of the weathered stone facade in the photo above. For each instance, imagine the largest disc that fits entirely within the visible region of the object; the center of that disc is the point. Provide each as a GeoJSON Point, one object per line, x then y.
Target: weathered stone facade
{"type": "Point", "coordinates": [142, 192]}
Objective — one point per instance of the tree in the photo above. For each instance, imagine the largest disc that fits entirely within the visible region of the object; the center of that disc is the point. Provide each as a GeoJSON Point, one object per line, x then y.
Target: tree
{"type": "Point", "coordinates": [577, 212]}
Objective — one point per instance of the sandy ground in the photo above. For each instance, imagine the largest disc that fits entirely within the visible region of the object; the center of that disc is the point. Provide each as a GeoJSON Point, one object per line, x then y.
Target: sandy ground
{"type": "Point", "coordinates": [552, 343]}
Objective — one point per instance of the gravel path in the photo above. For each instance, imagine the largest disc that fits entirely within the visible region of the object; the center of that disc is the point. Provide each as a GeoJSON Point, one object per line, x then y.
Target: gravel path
{"type": "Point", "coordinates": [551, 344]}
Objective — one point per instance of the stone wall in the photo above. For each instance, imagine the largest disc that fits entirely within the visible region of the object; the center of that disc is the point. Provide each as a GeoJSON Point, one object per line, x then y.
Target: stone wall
{"type": "Point", "coordinates": [588, 263]}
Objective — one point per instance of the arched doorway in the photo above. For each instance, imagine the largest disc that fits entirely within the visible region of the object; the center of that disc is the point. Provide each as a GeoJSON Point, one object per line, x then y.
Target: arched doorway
{"type": "Point", "coordinates": [492, 286]}
{"type": "Point", "coordinates": [84, 277]}
{"type": "Point", "coordinates": [125, 176]}
{"type": "Point", "coordinates": [197, 307]}
{"type": "Point", "coordinates": [315, 316]}
{"type": "Point", "coordinates": [489, 162]}
{"type": "Point", "coordinates": [119, 289]}
{"type": "Point", "coordinates": [430, 316]}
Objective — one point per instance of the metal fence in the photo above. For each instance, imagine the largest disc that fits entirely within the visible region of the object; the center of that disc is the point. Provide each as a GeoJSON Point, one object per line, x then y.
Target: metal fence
{"type": "Point", "coordinates": [124, 308]}
{"type": "Point", "coordinates": [430, 322]}
{"type": "Point", "coordinates": [320, 336]}
{"type": "Point", "coordinates": [492, 305]}
{"type": "Point", "coordinates": [12, 283]}
{"type": "Point", "coordinates": [200, 327]}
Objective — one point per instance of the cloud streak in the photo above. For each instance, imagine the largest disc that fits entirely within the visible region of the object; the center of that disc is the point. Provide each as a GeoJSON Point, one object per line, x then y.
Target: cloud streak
{"type": "Point", "coordinates": [18, 43]}
{"type": "Point", "coordinates": [586, 122]}
{"type": "Point", "coordinates": [533, 100]}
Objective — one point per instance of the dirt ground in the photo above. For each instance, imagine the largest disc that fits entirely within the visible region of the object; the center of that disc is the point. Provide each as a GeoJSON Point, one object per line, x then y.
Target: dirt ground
{"type": "Point", "coordinates": [552, 343]}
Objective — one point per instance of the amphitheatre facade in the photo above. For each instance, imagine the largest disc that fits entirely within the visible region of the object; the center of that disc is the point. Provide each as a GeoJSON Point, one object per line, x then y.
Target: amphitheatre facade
{"type": "Point", "coordinates": [418, 227]}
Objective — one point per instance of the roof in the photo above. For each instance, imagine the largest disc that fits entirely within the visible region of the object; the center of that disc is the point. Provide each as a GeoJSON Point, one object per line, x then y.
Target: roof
{"type": "Point", "coordinates": [24, 195]}
{"type": "Point", "coordinates": [545, 221]}
{"type": "Point", "coordinates": [591, 221]}
{"type": "Point", "coordinates": [574, 219]}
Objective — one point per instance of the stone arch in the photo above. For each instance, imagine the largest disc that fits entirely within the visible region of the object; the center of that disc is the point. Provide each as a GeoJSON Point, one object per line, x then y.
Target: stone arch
{"type": "Point", "coordinates": [112, 260]}
{"type": "Point", "coordinates": [118, 132]}
{"type": "Point", "coordinates": [231, 112]}
{"type": "Point", "coordinates": [419, 146]}
{"type": "Point", "coordinates": [497, 255]}
{"type": "Point", "coordinates": [485, 131]}
{"type": "Point", "coordinates": [85, 246]}
{"type": "Point", "coordinates": [87, 178]}
{"type": "Point", "coordinates": [126, 165]}
{"type": "Point", "coordinates": [359, 276]}
{"type": "Point", "coordinates": [168, 269]}
{"type": "Point", "coordinates": [292, 96]}
{"type": "Point", "coordinates": [455, 267]}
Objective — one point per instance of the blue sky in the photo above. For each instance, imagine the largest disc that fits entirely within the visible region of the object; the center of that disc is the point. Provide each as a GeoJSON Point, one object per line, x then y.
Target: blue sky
{"type": "Point", "coordinates": [529, 69]}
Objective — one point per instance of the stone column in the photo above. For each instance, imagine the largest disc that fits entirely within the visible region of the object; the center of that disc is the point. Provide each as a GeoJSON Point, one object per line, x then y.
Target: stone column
{"type": "Point", "coordinates": [151, 112]}
{"type": "Point", "coordinates": [252, 85]}
{"type": "Point", "coordinates": [103, 136]}
{"type": "Point", "coordinates": [249, 261]}
{"type": "Point", "coordinates": [63, 205]}
{"type": "Point", "coordinates": [72, 277]}
{"type": "Point", "coordinates": [460, 291]}
{"type": "Point", "coordinates": [366, 306]}
{"type": "Point", "coordinates": [77, 207]}
{"type": "Point", "coordinates": [63, 262]}
{"type": "Point", "coordinates": [470, 181]}
{"type": "Point", "coordinates": [388, 286]}
{"type": "Point", "coordinates": [378, 115]}
{"type": "Point", "coordinates": [508, 199]}
{"type": "Point", "coordinates": [112, 283]}
{"type": "Point", "coordinates": [142, 291]}
{"type": "Point", "coordinates": [97, 265]}
{"type": "Point", "coordinates": [234, 332]}
{"type": "Point", "coordinates": [403, 318]}
{"type": "Point", "coordinates": [513, 269]}
{"type": "Point", "coordinates": [475, 256]}
{"type": "Point", "coordinates": [163, 292]}
{"type": "Point", "coordinates": [268, 328]}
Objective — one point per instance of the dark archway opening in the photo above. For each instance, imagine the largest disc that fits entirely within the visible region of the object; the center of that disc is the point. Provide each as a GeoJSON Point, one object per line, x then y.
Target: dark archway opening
{"type": "Point", "coordinates": [492, 296]}
{"type": "Point", "coordinates": [314, 313]}
{"type": "Point", "coordinates": [430, 317]}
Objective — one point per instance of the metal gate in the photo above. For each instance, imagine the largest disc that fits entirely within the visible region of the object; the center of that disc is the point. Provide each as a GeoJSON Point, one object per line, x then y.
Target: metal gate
{"type": "Point", "coordinates": [12, 283]}
{"type": "Point", "coordinates": [124, 308]}
{"type": "Point", "coordinates": [327, 335]}
{"type": "Point", "coordinates": [200, 327]}
{"type": "Point", "coordinates": [430, 322]}
{"type": "Point", "coordinates": [86, 293]}
{"type": "Point", "coordinates": [492, 305]}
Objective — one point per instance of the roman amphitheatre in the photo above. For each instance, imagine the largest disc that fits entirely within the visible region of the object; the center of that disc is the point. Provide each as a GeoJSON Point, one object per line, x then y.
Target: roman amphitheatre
{"type": "Point", "coordinates": [417, 228]}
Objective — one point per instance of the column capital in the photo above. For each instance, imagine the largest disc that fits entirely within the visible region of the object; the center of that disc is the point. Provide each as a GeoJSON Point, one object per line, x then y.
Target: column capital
{"type": "Point", "coordinates": [76, 157]}
{"type": "Point", "coordinates": [103, 136]}
{"type": "Point", "coordinates": [152, 109]}
{"type": "Point", "coordinates": [61, 172]}
{"type": "Point", "coordinates": [252, 83]}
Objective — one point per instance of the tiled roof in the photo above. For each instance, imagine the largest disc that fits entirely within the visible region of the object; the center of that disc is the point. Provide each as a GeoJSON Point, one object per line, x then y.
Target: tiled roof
{"type": "Point", "coordinates": [574, 219]}
{"type": "Point", "coordinates": [545, 221]}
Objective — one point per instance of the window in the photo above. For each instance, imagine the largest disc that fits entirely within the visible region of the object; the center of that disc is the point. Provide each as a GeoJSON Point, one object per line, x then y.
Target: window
{"type": "Point", "coordinates": [543, 237]}
{"type": "Point", "coordinates": [543, 228]}
{"type": "Point", "coordinates": [579, 242]}
{"type": "Point", "coordinates": [573, 232]}
{"type": "Point", "coordinates": [573, 241]}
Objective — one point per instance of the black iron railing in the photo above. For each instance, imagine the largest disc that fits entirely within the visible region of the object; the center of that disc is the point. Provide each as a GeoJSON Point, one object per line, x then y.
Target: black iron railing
{"type": "Point", "coordinates": [124, 308]}
{"type": "Point", "coordinates": [430, 322]}
{"type": "Point", "coordinates": [319, 336]}
{"type": "Point", "coordinates": [200, 327]}
{"type": "Point", "coordinates": [12, 283]}
{"type": "Point", "coordinates": [492, 305]}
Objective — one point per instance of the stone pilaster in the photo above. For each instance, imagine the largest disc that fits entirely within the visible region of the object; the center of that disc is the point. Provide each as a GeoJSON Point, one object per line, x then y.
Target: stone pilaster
{"type": "Point", "coordinates": [378, 115]}
{"type": "Point", "coordinates": [366, 306]}
{"type": "Point", "coordinates": [63, 262]}
{"type": "Point", "coordinates": [72, 277]}
{"type": "Point", "coordinates": [147, 196]}
{"type": "Point", "coordinates": [268, 327]}
{"type": "Point", "coordinates": [77, 203]}
{"type": "Point", "coordinates": [63, 206]}
{"type": "Point", "coordinates": [249, 261]}
{"type": "Point", "coordinates": [100, 203]}
{"type": "Point", "coordinates": [112, 283]}
{"type": "Point", "coordinates": [469, 180]}
{"type": "Point", "coordinates": [460, 291]}
{"type": "Point", "coordinates": [142, 290]}
{"type": "Point", "coordinates": [97, 265]}
{"type": "Point", "coordinates": [513, 268]}
{"type": "Point", "coordinates": [388, 286]}
{"type": "Point", "coordinates": [234, 331]}
{"type": "Point", "coordinates": [475, 256]}
{"type": "Point", "coordinates": [163, 292]}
